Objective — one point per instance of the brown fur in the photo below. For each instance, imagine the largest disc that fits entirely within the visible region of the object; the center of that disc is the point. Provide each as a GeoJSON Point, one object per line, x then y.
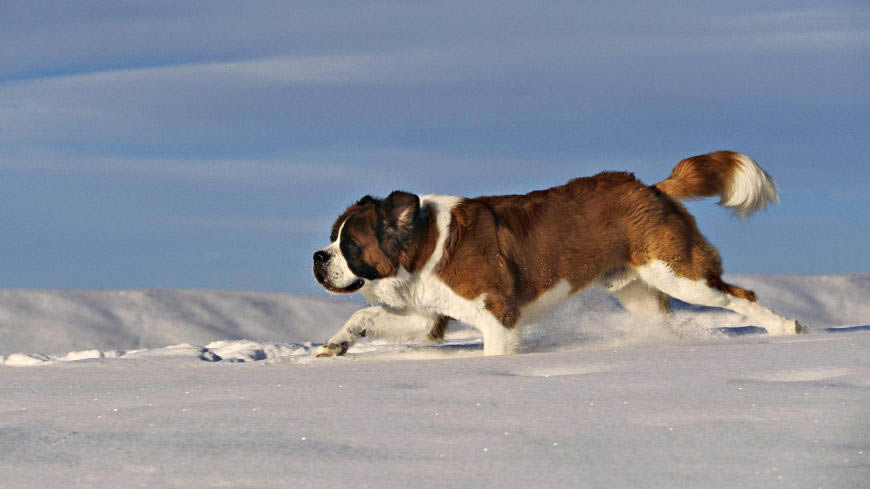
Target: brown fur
{"type": "Point", "coordinates": [513, 248]}
{"type": "Point", "coordinates": [700, 176]}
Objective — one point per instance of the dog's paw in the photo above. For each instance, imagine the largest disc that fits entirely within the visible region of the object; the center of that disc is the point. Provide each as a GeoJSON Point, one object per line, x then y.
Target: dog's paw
{"type": "Point", "coordinates": [786, 327]}
{"type": "Point", "coordinates": [331, 350]}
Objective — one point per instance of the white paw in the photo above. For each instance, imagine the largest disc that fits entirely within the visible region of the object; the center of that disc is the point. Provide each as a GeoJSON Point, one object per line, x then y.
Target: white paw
{"type": "Point", "coordinates": [787, 327]}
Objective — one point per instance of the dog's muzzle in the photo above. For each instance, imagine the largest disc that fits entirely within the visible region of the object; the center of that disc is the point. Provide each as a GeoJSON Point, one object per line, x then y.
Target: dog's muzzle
{"type": "Point", "coordinates": [322, 261]}
{"type": "Point", "coordinates": [321, 266]}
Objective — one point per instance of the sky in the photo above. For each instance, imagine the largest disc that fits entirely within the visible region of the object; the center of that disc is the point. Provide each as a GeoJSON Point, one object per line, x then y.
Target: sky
{"type": "Point", "coordinates": [211, 144]}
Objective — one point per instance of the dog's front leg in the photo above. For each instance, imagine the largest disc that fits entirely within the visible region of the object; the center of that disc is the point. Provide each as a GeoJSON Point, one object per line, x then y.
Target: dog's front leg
{"type": "Point", "coordinates": [375, 322]}
{"type": "Point", "coordinates": [499, 339]}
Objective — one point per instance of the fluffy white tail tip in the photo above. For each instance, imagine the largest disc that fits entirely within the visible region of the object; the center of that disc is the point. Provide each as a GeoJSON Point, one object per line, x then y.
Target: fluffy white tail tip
{"type": "Point", "coordinates": [750, 189]}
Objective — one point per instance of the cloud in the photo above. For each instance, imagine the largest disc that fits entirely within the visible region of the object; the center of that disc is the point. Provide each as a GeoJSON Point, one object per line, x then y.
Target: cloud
{"type": "Point", "coordinates": [402, 66]}
{"type": "Point", "coordinates": [799, 19]}
{"type": "Point", "coordinates": [236, 172]}
{"type": "Point", "coordinates": [386, 41]}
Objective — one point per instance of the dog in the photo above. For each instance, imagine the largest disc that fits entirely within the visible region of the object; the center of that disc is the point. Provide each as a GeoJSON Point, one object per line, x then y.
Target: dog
{"type": "Point", "coordinates": [499, 262]}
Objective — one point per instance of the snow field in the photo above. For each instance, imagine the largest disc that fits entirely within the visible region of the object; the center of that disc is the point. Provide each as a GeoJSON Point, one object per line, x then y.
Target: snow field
{"type": "Point", "coordinates": [598, 399]}
{"type": "Point", "coordinates": [737, 413]}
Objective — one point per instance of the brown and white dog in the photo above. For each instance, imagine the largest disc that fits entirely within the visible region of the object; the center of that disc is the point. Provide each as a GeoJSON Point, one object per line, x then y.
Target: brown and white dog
{"type": "Point", "coordinates": [497, 263]}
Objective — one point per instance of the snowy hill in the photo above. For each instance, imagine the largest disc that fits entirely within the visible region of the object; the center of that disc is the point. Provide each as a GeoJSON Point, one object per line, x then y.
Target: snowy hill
{"type": "Point", "coordinates": [56, 321]}
{"type": "Point", "coordinates": [100, 323]}
{"type": "Point", "coordinates": [113, 392]}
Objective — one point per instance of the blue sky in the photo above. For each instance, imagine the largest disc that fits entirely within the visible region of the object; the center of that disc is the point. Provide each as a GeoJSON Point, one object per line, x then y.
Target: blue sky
{"type": "Point", "coordinates": [211, 144]}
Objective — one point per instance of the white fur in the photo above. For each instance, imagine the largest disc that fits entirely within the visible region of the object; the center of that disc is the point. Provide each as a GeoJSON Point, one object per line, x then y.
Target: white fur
{"type": "Point", "coordinates": [638, 298]}
{"type": "Point", "coordinates": [498, 340]}
{"type": "Point", "coordinates": [383, 322]}
{"type": "Point", "coordinates": [616, 279]}
{"type": "Point", "coordinates": [545, 303]}
{"type": "Point", "coordinates": [659, 275]}
{"type": "Point", "coordinates": [338, 271]}
{"type": "Point", "coordinates": [442, 205]}
{"type": "Point", "coordinates": [750, 189]}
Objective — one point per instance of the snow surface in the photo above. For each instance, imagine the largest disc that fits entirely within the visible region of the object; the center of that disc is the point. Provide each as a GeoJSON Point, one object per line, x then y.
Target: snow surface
{"type": "Point", "coordinates": [597, 399]}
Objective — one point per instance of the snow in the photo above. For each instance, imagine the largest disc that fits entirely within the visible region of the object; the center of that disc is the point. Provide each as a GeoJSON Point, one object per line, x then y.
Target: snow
{"type": "Point", "coordinates": [92, 396]}
{"type": "Point", "coordinates": [66, 320]}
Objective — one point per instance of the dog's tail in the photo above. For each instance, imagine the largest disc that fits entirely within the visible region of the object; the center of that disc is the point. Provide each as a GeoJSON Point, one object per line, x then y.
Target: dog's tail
{"type": "Point", "coordinates": [739, 182]}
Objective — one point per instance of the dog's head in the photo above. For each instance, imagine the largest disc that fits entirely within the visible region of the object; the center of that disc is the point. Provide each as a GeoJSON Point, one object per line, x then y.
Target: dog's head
{"type": "Point", "coordinates": [367, 240]}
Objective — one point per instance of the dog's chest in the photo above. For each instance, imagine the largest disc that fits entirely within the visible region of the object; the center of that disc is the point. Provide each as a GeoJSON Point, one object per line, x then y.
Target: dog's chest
{"type": "Point", "coordinates": [394, 291]}
{"type": "Point", "coordinates": [427, 295]}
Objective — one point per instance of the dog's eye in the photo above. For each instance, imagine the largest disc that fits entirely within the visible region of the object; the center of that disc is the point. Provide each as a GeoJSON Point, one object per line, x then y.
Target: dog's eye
{"type": "Point", "coordinates": [349, 248]}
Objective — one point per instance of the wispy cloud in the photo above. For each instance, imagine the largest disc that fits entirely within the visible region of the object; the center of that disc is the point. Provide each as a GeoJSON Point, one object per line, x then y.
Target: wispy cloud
{"type": "Point", "coordinates": [800, 19]}
{"type": "Point", "coordinates": [402, 66]}
{"type": "Point", "coordinates": [570, 35]}
{"type": "Point", "coordinates": [243, 172]}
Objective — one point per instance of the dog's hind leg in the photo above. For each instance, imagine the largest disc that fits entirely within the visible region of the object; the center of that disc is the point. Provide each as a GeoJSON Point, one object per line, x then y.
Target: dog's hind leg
{"type": "Point", "coordinates": [713, 292]}
{"type": "Point", "coordinates": [438, 329]}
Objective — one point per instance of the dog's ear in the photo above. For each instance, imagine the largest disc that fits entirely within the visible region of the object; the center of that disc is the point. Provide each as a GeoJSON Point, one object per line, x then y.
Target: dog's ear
{"type": "Point", "coordinates": [368, 199]}
{"type": "Point", "coordinates": [401, 209]}
{"type": "Point", "coordinates": [398, 213]}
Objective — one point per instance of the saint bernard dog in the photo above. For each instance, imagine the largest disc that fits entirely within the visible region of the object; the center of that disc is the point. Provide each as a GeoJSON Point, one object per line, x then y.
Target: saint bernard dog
{"type": "Point", "coordinates": [499, 262]}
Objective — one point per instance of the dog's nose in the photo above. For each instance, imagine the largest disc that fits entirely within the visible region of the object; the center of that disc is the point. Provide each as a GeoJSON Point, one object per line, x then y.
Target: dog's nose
{"type": "Point", "coordinates": [321, 257]}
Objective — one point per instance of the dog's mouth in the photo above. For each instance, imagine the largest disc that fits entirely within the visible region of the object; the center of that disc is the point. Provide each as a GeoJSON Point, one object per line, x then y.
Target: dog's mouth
{"type": "Point", "coordinates": [322, 276]}
{"type": "Point", "coordinates": [358, 284]}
